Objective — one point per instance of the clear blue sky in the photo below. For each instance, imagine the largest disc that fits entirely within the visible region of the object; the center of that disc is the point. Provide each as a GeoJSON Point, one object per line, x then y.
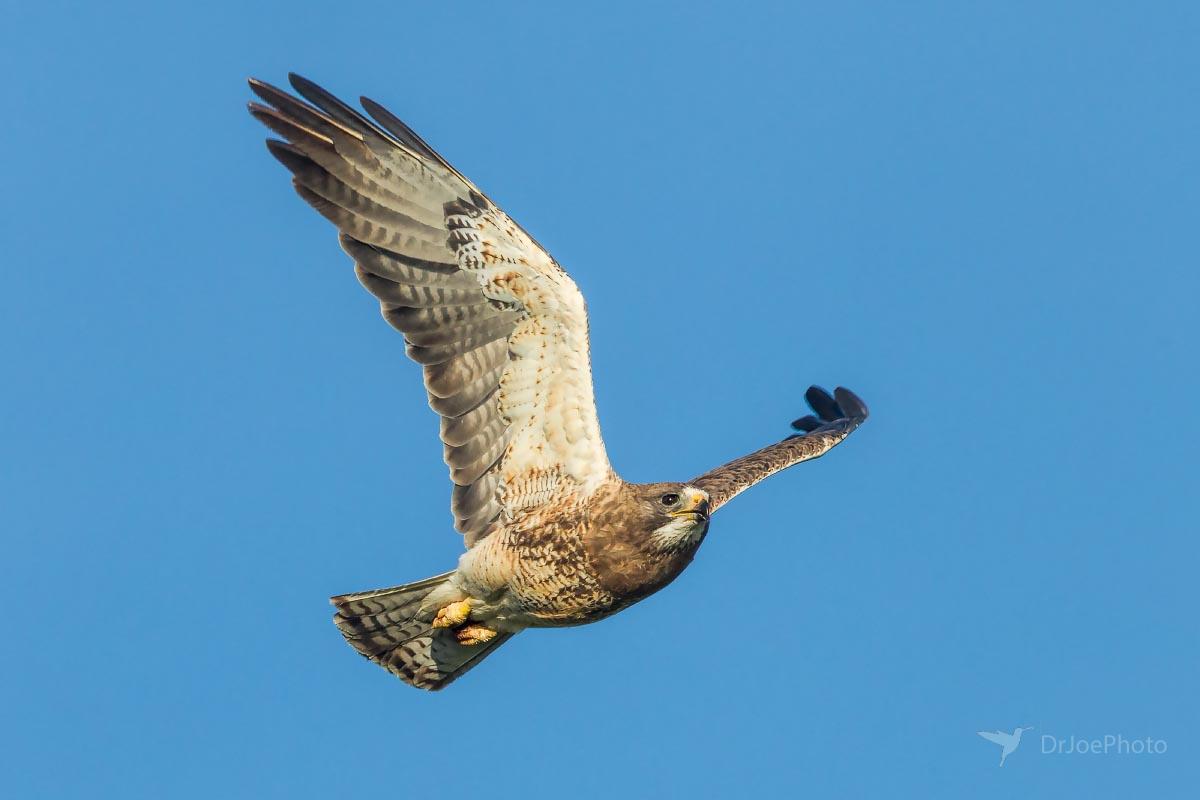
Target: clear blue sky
{"type": "Point", "coordinates": [982, 217]}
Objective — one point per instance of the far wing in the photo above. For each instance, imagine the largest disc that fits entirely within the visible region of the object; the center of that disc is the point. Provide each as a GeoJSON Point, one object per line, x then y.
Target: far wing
{"type": "Point", "coordinates": [835, 418]}
{"type": "Point", "coordinates": [499, 328]}
{"type": "Point", "coordinates": [995, 737]}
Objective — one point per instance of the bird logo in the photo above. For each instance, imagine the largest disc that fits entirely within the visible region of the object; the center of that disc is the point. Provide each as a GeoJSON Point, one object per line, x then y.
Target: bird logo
{"type": "Point", "coordinates": [1009, 742]}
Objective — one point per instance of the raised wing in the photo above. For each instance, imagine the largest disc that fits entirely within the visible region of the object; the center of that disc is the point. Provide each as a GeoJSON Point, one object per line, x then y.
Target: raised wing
{"type": "Point", "coordinates": [834, 418]}
{"type": "Point", "coordinates": [997, 737]}
{"type": "Point", "coordinates": [499, 328]}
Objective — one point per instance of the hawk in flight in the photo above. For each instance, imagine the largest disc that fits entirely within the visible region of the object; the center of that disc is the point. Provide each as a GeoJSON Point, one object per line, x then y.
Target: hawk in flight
{"type": "Point", "coordinates": [554, 537]}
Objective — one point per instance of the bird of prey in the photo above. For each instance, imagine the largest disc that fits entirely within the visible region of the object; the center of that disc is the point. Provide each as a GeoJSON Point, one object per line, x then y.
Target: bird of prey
{"type": "Point", "coordinates": [554, 536]}
{"type": "Point", "coordinates": [1008, 742]}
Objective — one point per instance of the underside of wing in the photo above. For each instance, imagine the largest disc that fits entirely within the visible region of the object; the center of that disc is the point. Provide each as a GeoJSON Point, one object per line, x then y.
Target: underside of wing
{"type": "Point", "coordinates": [498, 327]}
{"type": "Point", "coordinates": [834, 418]}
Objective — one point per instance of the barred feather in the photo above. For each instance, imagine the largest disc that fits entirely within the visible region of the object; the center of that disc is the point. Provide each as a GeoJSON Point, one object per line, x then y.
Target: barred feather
{"type": "Point", "coordinates": [500, 329]}
{"type": "Point", "coordinates": [389, 627]}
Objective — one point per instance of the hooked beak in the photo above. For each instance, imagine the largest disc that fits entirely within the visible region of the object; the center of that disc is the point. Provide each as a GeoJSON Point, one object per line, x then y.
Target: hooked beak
{"type": "Point", "coordinates": [696, 505]}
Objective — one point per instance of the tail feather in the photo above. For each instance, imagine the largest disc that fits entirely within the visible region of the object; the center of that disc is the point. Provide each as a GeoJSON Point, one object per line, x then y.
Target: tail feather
{"type": "Point", "coordinates": [389, 627]}
{"type": "Point", "coordinates": [404, 599]}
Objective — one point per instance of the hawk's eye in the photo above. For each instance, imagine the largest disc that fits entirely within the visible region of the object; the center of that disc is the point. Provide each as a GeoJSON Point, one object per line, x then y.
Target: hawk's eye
{"type": "Point", "coordinates": [669, 499]}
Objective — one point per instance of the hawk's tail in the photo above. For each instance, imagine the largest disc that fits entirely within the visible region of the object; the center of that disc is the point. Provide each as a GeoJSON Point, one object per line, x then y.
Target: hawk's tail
{"type": "Point", "coordinates": [390, 627]}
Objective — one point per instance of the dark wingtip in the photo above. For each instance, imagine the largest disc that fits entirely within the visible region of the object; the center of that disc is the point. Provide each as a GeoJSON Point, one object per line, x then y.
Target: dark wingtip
{"type": "Point", "coordinates": [259, 111]}
{"type": "Point", "coordinates": [313, 92]}
{"type": "Point", "coordinates": [851, 404]}
{"type": "Point", "coordinates": [374, 109]}
{"type": "Point", "coordinates": [288, 155]}
{"type": "Point", "coordinates": [822, 403]}
{"type": "Point", "coordinates": [828, 408]}
{"type": "Point", "coordinates": [268, 92]}
{"type": "Point", "coordinates": [807, 424]}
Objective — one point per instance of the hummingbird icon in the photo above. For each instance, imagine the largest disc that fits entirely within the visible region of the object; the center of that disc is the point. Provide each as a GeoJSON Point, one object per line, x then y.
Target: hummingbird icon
{"type": "Point", "coordinates": [1008, 741]}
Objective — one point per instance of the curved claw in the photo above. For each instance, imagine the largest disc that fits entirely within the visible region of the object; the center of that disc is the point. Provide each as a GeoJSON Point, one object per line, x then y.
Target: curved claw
{"type": "Point", "coordinates": [453, 615]}
{"type": "Point", "coordinates": [471, 635]}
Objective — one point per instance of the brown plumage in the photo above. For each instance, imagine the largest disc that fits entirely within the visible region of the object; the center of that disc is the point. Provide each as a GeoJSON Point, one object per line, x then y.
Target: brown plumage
{"type": "Point", "coordinates": [554, 537]}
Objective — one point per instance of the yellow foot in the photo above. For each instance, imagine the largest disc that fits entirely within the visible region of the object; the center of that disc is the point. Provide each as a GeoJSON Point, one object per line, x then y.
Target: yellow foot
{"type": "Point", "coordinates": [474, 634]}
{"type": "Point", "coordinates": [452, 615]}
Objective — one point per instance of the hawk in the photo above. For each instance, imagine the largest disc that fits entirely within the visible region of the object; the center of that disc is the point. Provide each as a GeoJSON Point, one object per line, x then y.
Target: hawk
{"type": "Point", "coordinates": [554, 537]}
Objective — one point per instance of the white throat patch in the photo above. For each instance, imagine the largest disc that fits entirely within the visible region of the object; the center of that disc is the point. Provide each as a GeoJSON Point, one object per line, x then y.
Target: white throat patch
{"type": "Point", "coordinates": [679, 532]}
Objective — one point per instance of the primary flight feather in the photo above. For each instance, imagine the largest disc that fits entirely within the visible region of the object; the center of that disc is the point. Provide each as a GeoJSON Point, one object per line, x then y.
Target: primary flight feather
{"type": "Point", "coordinates": [554, 537]}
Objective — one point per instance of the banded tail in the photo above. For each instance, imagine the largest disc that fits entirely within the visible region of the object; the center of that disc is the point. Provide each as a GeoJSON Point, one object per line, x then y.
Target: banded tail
{"type": "Point", "coordinates": [387, 626]}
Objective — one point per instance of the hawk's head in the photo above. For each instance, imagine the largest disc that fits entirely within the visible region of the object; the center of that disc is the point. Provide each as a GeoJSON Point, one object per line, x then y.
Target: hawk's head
{"type": "Point", "coordinates": [675, 514]}
{"type": "Point", "coordinates": [643, 534]}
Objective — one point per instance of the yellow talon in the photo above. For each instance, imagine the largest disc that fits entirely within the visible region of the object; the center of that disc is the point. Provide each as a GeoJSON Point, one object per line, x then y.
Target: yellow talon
{"type": "Point", "coordinates": [474, 634]}
{"type": "Point", "coordinates": [453, 615]}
